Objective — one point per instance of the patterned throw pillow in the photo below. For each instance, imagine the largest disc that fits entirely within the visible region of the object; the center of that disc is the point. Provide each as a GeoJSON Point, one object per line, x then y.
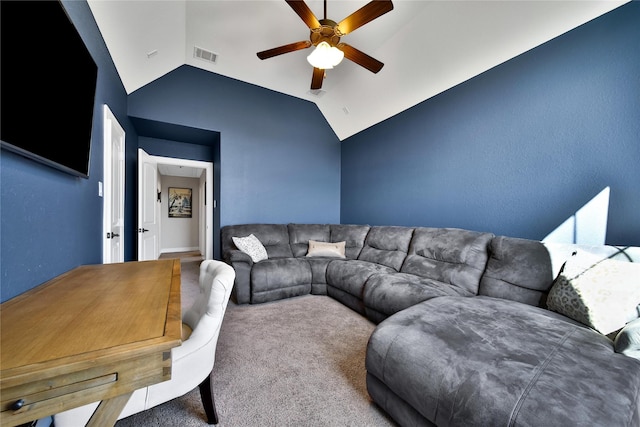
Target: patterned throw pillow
{"type": "Point", "coordinates": [326, 249]}
{"type": "Point", "coordinates": [251, 246]}
{"type": "Point", "coordinates": [600, 293]}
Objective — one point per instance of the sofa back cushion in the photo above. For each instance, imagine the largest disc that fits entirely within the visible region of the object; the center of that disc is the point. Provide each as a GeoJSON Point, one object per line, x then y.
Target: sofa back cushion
{"type": "Point", "coordinates": [387, 245]}
{"type": "Point", "coordinates": [274, 237]}
{"type": "Point", "coordinates": [300, 234]}
{"type": "Point", "coordinates": [449, 255]}
{"type": "Point", "coordinates": [353, 235]}
{"type": "Point", "coordinates": [518, 269]}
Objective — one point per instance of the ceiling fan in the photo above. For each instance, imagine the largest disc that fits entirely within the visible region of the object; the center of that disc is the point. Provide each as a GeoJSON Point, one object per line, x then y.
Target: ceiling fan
{"type": "Point", "coordinates": [326, 34]}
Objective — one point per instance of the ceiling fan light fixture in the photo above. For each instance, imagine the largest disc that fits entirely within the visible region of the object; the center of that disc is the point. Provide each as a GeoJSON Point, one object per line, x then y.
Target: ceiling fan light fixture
{"type": "Point", "coordinates": [325, 56]}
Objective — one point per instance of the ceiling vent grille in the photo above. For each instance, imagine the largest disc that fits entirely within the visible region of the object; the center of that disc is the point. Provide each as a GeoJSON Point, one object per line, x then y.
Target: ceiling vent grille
{"type": "Point", "coordinates": [205, 55]}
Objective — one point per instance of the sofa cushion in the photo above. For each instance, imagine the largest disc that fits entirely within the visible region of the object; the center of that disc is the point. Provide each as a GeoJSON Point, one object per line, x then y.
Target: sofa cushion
{"type": "Point", "coordinates": [319, 269]}
{"type": "Point", "coordinates": [300, 234]}
{"type": "Point", "coordinates": [275, 240]}
{"type": "Point", "coordinates": [448, 255]}
{"type": "Point", "coordinates": [251, 246]}
{"type": "Point", "coordinates": [518, 270]}
{"type": "Point", "coordinates": [387, 294]}
{"type": "Point", "coordinates": [353, 235]}
{"type": "Point", "coordinates": [601, 293]}
{"type": "Point", "coordinates": [627, 341]}
{"type": "Point", "coordinates": [484, 361]}
{"type": "Point", "coordinates": [387, 245]}
{"type": "Point", "coordinates": [274, 237]}
{"type": "Point", "coordinates": [280, 278]}
{"type": "Point", "coordinates": [351, 275]}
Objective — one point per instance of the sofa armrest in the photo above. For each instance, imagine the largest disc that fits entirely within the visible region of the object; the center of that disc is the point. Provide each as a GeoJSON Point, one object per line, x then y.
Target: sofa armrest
{"type": "Point", "coordinates": [239, 256]}
{"type": "Point", "coordinates": [242, 264]}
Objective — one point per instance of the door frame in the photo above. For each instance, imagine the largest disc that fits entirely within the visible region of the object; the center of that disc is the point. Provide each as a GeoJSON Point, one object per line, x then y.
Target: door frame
{"type": "Point", "coordinates": [206, 203]}
{"type": "Point", "coordinates": [112, 132]}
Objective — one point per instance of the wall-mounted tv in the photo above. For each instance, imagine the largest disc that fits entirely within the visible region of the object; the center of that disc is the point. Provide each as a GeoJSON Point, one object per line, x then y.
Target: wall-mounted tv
{"type": "Point", "coordinates": [48, 83]}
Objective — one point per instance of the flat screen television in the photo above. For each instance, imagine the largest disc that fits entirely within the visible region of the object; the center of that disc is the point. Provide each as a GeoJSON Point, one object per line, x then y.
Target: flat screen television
{"type": "Point", "coordinates": [48, 83]}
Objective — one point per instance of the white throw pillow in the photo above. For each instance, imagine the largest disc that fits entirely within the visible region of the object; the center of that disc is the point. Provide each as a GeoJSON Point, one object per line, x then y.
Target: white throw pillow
{"type": "Point", "coordinates": [326, 249]}
{"type": "Point", "coordinates": [600, 293]}
{"type": "Point", "coordinates": [251, 246]}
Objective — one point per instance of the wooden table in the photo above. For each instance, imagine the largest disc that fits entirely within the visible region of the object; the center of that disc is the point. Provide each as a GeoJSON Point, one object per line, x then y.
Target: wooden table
{"type": "Point", "coordinates": [95, 333]}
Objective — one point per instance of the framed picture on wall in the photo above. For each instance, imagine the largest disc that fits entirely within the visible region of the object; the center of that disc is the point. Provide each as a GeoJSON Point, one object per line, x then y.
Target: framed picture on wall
{"type": "Point", "coordinates": [179, 202]}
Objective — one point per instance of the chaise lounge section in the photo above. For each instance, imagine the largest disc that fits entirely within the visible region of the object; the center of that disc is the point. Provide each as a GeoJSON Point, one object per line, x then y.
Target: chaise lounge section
{"type": "Point", "coordinates": [471, 329]}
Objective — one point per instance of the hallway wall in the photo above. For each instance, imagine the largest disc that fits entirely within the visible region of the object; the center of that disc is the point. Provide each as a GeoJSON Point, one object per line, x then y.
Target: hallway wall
{"type": "Point", "coordinates": [179, 234]}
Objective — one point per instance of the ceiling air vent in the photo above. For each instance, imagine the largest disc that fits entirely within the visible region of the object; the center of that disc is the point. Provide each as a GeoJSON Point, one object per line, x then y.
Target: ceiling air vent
{"type": "Point", "coordinates": [205, 55]}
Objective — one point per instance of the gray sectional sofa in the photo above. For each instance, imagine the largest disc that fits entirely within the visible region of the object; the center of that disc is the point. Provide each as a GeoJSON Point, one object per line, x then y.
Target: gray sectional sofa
{"type": "Point", "coordinates": [464, 336]}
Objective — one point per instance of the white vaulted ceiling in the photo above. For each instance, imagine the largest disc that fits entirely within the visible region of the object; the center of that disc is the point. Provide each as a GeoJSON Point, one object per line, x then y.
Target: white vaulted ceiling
{"type": "Point", "coordinates": [427, 46]}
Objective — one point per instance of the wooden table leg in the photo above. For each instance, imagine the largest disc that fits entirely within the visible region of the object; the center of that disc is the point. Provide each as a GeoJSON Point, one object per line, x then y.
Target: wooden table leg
{"type": "Point", "coordinates": [108, 411]}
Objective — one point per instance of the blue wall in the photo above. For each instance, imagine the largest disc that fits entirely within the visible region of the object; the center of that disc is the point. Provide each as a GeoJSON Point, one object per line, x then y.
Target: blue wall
{"type": "Point", "coordinates": [176, 149]}
{"type": "Point", "coordinates": [280, 160]}
{"type": "Point", "coordinates": [516, 150]}
{"type": "Point", "coordinates": [51, 222]}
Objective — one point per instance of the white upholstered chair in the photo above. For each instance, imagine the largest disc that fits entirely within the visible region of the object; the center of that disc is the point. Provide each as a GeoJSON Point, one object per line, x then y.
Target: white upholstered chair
{"type": "Point", "coordinates": [192, 362]}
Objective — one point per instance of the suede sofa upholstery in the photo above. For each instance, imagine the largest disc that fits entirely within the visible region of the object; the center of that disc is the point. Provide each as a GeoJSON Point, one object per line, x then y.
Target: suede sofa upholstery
{"type": "Point", "coordinates": [464, 336]}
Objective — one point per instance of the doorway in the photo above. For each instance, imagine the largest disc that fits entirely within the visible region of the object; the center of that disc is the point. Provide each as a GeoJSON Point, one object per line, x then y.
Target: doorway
{"type": "Point", "coordinates": [152, 202]}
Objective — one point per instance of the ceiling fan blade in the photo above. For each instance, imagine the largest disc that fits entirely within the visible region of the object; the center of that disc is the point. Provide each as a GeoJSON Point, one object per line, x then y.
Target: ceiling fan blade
{"type": "Point", "coordinates": [303, 11]}
{"type": "Point", "coordinates": [360, 58]}
{"type": "Point", "coordinates": [366, 13]}
{"type": "Point", "coordinates": [316, 80]}
{"type": "Point", "coordinates": [292, 47]}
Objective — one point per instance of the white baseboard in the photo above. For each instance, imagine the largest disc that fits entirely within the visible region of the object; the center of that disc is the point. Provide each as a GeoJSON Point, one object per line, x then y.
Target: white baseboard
{"type": "Point", "coordinates": [169, 250]}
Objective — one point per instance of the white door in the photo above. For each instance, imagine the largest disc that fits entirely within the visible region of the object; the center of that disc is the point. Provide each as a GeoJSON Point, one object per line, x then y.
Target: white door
{"type": "Point", "coordinates": [148, 207]}
{"type": "Point", "coordinates": [113, 207]}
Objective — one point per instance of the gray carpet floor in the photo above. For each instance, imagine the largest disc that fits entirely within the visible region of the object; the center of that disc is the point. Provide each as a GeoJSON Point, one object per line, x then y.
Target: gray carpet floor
{"type": "Point", "coordinates": [295, 362]}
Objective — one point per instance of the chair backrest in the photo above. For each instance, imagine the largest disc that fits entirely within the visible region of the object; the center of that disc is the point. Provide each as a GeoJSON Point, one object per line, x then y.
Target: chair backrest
{"type": "Point", "coordinates": [215, 280]}
{"type": "Point", "coordinates": [193, 361]}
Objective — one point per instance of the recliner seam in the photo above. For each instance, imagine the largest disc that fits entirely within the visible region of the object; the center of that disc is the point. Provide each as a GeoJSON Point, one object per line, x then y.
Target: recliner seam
{"type": "Point", "coordinates": [540, 369]}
